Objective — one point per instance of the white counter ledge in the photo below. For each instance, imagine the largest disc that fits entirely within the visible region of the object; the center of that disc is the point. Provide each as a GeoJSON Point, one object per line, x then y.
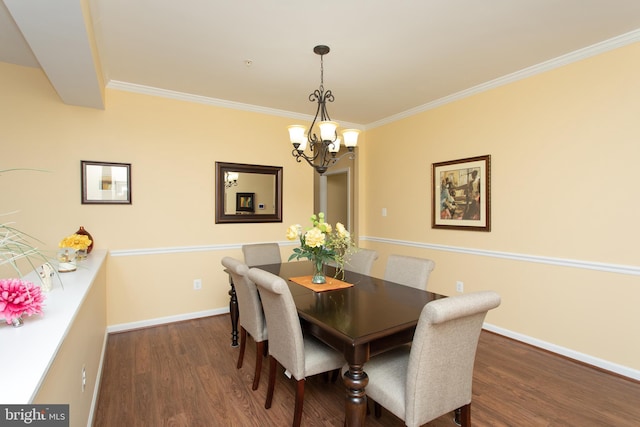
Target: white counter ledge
{"type": "Point", "coordinates": [27, 352]}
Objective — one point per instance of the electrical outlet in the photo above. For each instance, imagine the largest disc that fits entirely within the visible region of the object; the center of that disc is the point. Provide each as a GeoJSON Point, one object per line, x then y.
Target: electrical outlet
{"type": "Point", "coordinates": [459, 286]}
{"type": "Point", "coordinates": [197, 284]}
{"type": "Point", "coordinates": [84, 378]}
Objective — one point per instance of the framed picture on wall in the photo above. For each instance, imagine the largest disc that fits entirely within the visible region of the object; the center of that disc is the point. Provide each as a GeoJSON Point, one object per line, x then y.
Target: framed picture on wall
{"type": "Point", "coordinates": [244, 202]}
{"type": "Point", "coordinates": [105, 183]}
{"type": "Point", "coordinates": [461, 191]}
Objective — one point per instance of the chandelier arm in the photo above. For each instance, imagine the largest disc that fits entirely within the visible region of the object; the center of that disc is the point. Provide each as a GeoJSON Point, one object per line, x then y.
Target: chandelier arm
{"type": "Point", "coordinates": [351, 154]}
{"type": "Point", "coordinates": [299, 156]}
{"type": "Point", "coordinates": [317, 96]}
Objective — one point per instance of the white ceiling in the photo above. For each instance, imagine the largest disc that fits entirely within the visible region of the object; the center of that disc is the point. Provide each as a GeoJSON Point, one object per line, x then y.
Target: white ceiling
{"type": "Point", "coordinates": [387, 58]}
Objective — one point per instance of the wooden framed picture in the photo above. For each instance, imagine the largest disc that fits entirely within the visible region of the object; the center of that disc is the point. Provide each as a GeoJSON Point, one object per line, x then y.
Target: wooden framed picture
{"type": "Point", "coordinates": [462, 194]}
{"type": "Point", "coordinates": [105, 183]}
{"type": "Point", "coordinates": [244, 202]}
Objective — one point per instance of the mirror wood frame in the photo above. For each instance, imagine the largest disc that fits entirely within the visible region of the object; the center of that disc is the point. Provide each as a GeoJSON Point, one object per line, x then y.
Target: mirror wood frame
{"type": "Point", "coordinates": [225, 218]}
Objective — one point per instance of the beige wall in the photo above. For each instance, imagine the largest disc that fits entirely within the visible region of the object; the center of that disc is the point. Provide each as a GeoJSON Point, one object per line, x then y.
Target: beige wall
{"type": "Point", "coordinates": [172, 146]}
{"type": "Point", "coordinates": [564, 147]}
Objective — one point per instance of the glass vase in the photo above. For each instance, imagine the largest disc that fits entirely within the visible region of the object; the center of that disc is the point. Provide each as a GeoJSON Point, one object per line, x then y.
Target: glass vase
{"type": "Point", "coordinates": [17, 321]}
{"type": "Point", "coordinates": [66, 260]}
{"type": "Point", "coordinates": [318, 272]}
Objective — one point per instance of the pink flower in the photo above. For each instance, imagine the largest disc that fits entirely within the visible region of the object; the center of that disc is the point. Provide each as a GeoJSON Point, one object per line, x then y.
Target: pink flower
{"type": "Point", "coordinates": [18, 298]}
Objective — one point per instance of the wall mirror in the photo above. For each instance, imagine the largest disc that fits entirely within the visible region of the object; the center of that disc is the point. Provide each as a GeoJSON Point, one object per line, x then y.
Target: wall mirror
{"type": "Point", "coordinates": [248, 193]}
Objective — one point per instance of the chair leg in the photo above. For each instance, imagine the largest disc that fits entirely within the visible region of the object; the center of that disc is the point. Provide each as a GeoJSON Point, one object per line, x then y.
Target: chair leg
{"type": "Point", "coordinates": [272, 382]}
{"type": "Point", "coordinates": [243, 343]}
{"type": "Point", "coordinates": [377, 409]}
{"type": "Point", "coordinates": [297, 413]}
{"type": "Point", "coordinates": [256, 374]}
{"type": "Point", "coordinates": [465, 415]}
{"type": "Point", "coordinates": [462, 416]}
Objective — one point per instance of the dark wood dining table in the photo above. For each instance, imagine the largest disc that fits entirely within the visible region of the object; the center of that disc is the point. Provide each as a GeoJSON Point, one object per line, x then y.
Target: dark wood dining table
{"type": "Point", "coordinates": [361, 321]}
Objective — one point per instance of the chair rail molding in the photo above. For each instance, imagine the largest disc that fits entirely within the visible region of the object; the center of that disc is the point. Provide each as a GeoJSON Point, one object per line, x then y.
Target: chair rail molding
{"type": "Point", "coordinates": [564, 262]}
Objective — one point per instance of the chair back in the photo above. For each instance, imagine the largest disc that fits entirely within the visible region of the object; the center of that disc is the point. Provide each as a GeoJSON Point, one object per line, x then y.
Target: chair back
{"type": "Point", "coordinates": [440, 370]}
{"type": "Point", "coordinates": [409, 271]}
{"type": "Point", "coordinates": [261, 254]}
{"type": "Point", "coordinates": [251, 315]}
{"type": "Point", "coordinates": [361, 261]}
{"type": "Point", "coordinates": [286, 343]}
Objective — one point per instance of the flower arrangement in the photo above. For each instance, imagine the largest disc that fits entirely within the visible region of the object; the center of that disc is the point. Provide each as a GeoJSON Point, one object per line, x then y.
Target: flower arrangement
{"type": "Point", "coordinates": [79, 242]}
{"type": "Point", "coordinates": [321, 244]}
{"type": "Point", "coordinates": [17, 248]}
{"type": "Point", "coordinates": [19, 298]}
{"type": "Point", "coordinates": [16, 245]}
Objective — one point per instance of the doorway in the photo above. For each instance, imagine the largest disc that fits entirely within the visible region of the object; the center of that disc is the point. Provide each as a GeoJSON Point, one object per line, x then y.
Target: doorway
{"type": "Point", "coordinates": [335, 196]}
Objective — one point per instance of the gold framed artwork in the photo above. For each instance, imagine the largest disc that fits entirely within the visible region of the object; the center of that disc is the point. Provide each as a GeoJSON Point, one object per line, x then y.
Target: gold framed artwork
{"type": "Point", "coordinates": [461, 191]}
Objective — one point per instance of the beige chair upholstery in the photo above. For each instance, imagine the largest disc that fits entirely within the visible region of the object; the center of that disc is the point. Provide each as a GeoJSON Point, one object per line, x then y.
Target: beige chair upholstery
{"type": "Point", "coordinates": [302, 356]}
{"type": "Point", "coordinates": [361, 261]}
{"type": "Point", "coordinates": [409, 271]}
{"type": "Point", "coordinates": [433, 376]}
{"type": "Point", "coordinates": [261, 254]}
{"type": "Point", "coordinates": [252, 319]}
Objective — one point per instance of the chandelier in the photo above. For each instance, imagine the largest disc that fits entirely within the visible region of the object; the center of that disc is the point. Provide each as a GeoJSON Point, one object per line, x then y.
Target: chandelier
{"type": "Point", "coordinates": [321, 144]}
{"type": "Point", "coordinates": [230, 179]}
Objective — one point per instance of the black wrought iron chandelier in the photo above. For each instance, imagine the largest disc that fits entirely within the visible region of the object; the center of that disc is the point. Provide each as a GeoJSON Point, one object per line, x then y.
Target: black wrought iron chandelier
{"type": "Point", "coordinates": [323, 146]}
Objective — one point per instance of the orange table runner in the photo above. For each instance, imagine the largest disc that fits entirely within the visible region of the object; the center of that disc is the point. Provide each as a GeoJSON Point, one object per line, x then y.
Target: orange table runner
{"type": "Point", "coordinates": [331, 285]}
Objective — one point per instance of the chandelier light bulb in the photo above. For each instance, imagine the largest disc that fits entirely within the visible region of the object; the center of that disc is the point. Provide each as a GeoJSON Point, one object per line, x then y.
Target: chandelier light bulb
{"type": "Point", "coordinates": [350, 137]}
{"type": "Point", "coordinates": [303, 144]}
{"type": "Point", "coordinates": [334, 146]}
{"type": "Point", "coordinates": [327, 130]}
{"type": "Point", "coordinates": [296, 134]}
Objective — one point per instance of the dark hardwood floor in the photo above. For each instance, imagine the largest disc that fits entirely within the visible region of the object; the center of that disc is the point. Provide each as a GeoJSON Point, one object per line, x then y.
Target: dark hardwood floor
{"type": "Point", "coordinates": [184, 374]}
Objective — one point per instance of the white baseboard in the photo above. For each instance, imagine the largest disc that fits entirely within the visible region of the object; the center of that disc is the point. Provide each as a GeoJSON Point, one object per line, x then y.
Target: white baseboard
{"type": "Point", "coordinates": [96, 388]}
{"type": "Point", "coordinates": [624, 371]}
{"type": "Point", "coordinates": [571, 354]}
{"type": "Point", "coordinates": [163, 320]}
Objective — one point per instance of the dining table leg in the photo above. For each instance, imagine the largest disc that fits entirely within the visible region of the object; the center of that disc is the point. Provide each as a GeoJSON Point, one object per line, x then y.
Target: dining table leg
{"type": "Point", "coordinates": [355, 380]}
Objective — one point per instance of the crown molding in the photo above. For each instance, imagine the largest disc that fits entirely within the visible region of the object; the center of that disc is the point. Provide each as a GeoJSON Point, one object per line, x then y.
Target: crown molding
{"type": "Point", "coordinates": [198, 99]}
{"type": "Point", "coordinates": [578, 55]}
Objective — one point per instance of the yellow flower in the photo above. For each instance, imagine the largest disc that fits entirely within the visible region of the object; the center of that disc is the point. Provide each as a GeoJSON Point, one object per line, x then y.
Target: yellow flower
{"type": "Point", "coordinates": [325, 227]}
{"type": "Point", "coordinates": [75, 241]}
{"type": "Point", "coordinates": [314, 238]}
{"type": "Point", "coordinates": [293, 232]}
{"type": "Point", "coordinates": [341, 230]}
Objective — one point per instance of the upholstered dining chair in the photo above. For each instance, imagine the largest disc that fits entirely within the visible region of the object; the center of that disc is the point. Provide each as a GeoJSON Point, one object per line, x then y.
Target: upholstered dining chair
{"type": "Point", "coordinates": [261, 254]}
{"type": "Point", "coordinates": [433, 376]}
{"type": "Point", "coordinates": [302, 356]}
{"type": "Point", "coordinates": [252, 319]}
{"type": "Point", "coordinates": [361, 261]}
{"type": "Point", "coordinates": [409, 271]}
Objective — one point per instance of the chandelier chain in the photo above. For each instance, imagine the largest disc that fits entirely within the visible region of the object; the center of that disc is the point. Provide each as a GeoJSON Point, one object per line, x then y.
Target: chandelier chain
{"type": "Point", "coordinates": [321, 73]}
